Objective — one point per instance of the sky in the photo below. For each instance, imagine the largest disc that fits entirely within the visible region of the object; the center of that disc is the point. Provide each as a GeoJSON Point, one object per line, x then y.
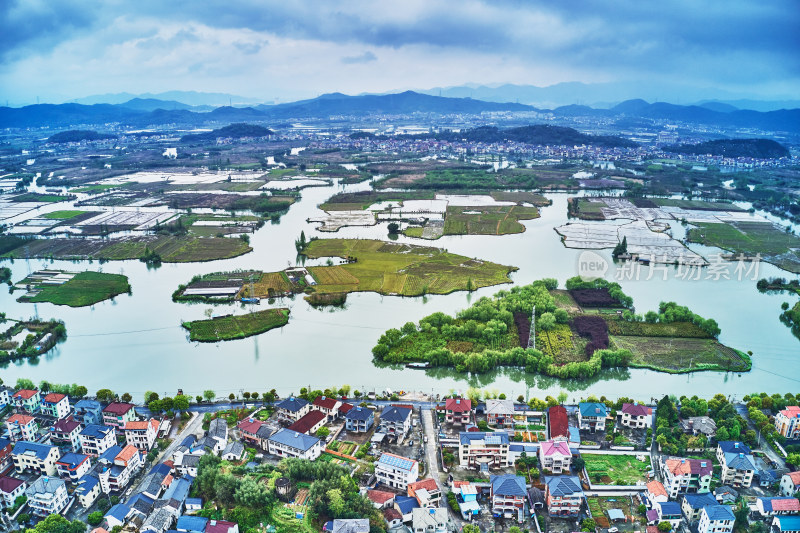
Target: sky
{"type": "Point", "coordinates": [289, 50]}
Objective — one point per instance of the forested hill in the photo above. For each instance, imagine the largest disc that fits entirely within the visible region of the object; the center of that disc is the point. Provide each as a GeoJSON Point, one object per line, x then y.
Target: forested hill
{"type": "Point", "coordinates": [73, 136]}
{"type": "Point", "coordinates": [757, 148]}
{"type": "Point", "coordinates": [235, 131]}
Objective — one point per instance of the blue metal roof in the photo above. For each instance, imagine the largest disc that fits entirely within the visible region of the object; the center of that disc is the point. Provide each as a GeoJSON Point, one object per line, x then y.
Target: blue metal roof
{"type": "Point", "coordinates": [97, 431]}
{"type": "Point", "coordinates": [499, 437]}
{"type": "Point", "coordinates": [592, 409]}
{"type": "Point", "coordinates": [359, 413]}
{"type": "Point", "coordinates": [86, 484]}
{"type": "Point", "coordinates": [405, 503]}
{"type": "Point", "coordinates": [178, 490]}
{"type": "Point", "coordinates": [670, 509]}
{"type": "Point", "coordinates": [160, 468]}
{"type": "Point", "coordinates": [73, 460]}
{"type": "Point", "coordinates": [188, 441]}
{"type": "Point", "coordinates": [508, 485]}
{"type": "Point", "coordinates": [194, 501]}
{"type": "Point", "coordinates": [296, 440]}
{"type": "Point", "coordinates": [698, 501]}
{"type": "Point", "coordinates": [88, 404]}
{"type": "Point", "coordinates": [789, 523]}
{"type": "Point", "coordinates": [739, 461]}
{"type": "Point", "coordinates": [719, 512]}
{"type": "Point", "coordinates": [396, 461]}
{"type": "Point", "coordinates": [192, 523]}
{"type": "Point", "coordinates": [119, 511]}
{"type": "Point", "coordinates": [41, 450]}
{"type": "Point", "coordinates": [563, 485]}
{"type": "Point", "coordinates": [292, 405]}
{"type": "Point", "coordinates": [110, 454]}
{"type": "Point", "coordinates": [395, 414]}
{"type": "Point", "coordinates": [733, 446]}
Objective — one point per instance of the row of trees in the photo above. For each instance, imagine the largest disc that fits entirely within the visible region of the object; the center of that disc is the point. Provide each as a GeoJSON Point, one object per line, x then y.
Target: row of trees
{"type": "Point", "coordinates": [669, 312]}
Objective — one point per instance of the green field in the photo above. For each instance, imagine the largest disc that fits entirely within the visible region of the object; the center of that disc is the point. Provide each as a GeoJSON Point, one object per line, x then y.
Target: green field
{"type": "Point", "coordinates": [675, 354]}
{"type": "Point", "coordinates": [487, 220]}
{"type": "Point", "coordinates": [86, 288]}
{"type": "Point", "coordinates": [345, 201]}
{"type": "Point", "coordinates": [562, 344]}
{"type": "Point", "coordinates": [778, 247]}
{"type": "Point", "coordinates": [100, 187]}
{"type": "Point", "coordinates": [63, 215]}
{"type": "Point", "coordinates": [231, 327]}
{"type": "Point", "coordinates": [403, 269]}
{"type": "Point", "coordinates": [616, 469]}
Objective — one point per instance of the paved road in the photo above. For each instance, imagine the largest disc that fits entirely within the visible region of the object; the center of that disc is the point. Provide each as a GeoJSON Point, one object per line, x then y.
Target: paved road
{"type": "Point", "coordinates": [763, 445]}
{"type": "Point", "coordinates": [431, 453]}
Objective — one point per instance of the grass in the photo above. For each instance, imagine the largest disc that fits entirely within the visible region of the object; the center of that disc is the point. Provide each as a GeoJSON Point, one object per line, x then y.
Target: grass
{"type": "Point", "coordinates": [562, 344]}
{"type": "Point", "coordinates": [86, 288]}
{"type": "Point", "coordinates": [100, 187]}
{"type": "Point", "coordinates": [677, 355]}
{"type": "Point", "coordinates": [521, 197]}
{"type": "Point", "coordinates": [35, 197]}
{"type": "Point", "coordinates": [695, 204]}
{"type": "Point", "coordinates": [345, 201]}
{"type": "Point", "coordinates": [750, 238]}
{"type": "Point", "coordinates": [403, 269]}
{"type": "Point", "coordinates": [646, 329]}
{"type": "Point", "coordinates": [587, 209]}
{"type": "Point", "coordinates": [63, 215]}
{"type": "Point", "coordinates": [616, 469]}
{"type": "Point", "coordinates": [231, 327]}
{"type": "Point", "coordinates": [487, 220]}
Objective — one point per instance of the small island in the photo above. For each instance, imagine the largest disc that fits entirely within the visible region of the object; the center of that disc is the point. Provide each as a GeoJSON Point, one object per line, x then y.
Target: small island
{"type": "Point", "coordinates": [571, 333]}
{"type": "Point", "coordinates": [74, 289]}
{"type": "Point", "coordinates": [230, 327]}
{"type": "Point", "coordinates": [29, 338]}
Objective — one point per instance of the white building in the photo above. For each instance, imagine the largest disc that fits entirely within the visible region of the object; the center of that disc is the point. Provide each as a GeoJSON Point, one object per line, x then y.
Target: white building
{"type": "Point", "coordinates": [47, 495]}
{"type": "Point", "coordinates": [288, 443]}
{"type": "Point", "coordinates": [96, 439]}
{"type": "Point", "coordinates": [396, 471]}
{"type": "Point", "coordinates": [141, 434]}
{"type": "Point", "coordinates": [716, 519]}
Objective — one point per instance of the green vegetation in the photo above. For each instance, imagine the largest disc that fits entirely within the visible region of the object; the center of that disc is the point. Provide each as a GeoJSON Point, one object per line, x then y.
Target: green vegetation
{"type": "Point", "coordinates": [350, 201]}
{"type": "Point", "coordinates": [616, 469]}
{"type": "Point", "coordinates": [5, 275]}
{"type": "Point", "coordinates": [73, 136]}
{"type": "Point", "coordinates": [85, 288]}
{"type": "Point", "coordinates": [791, 317]}
{"type": "Point", "coordinates": [678, 355]}
{"type": "Point", "coordinates": [30, 339]}
{"type": "Point", "coordinates": [235, 131]}
{"type": "Point", "coordinates": [100, 187]}
{"type": "Point", "coordinates": [36, 197]}
{"type": "Point", "coordinates": [63, 215]}
{"type": "Point", "coordinates": [758, 148]}
{"type": "Point", "coordinates": [231, 327]}
{"type": "Point", "coordinates": [780, 248]}
{"type": "Point", "coordinates": [487, 220]}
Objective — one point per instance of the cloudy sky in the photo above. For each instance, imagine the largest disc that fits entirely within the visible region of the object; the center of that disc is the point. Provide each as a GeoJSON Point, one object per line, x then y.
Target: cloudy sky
{"type": "Point", "coordinates": [287, 50]}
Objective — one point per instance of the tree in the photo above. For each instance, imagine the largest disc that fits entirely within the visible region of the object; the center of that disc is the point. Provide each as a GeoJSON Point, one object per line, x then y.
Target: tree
{"type": "Point", "coordinates": [394, 228]}
{"type": "Point", "coordinates": [323, 432]}
{"type": "Point", "coordinates": [78, 391]}
{"type": "Point", "coordinates": [578, 463]}
{"type": "Point", "coordinates": [588, 524]}
{"type": "Point", "coordinates": [149, 396]}
{"type": "Point", "coordinates": [180, 403]}
{"type": "Point", "coordinates": [246, 395]}
{"type": "Point", "coordinates": [55, 523]}
{"type": "Point", "coordinates": [231, 396]}
{"type": "Point", "coordinates": [336, 503]}
{"type": "Point", "coordinates": [621, 248]}
{"type": "Point", "coordinates": [127, 398]}
{"type": "Point", "coordinates": [23, 383]}
{"type": "Point", "coordinates": [470, 528]}
{"type": "Point", "coordinates": [562, 317]}
{"type": "Point", "coordinates": [95, 518]}
{"type": "Point", "coordinates": [562, 397]}
{"type": "Point", "coordinates": [546, 322]}
{"type": "Point", "coordinates": [105, 395]}
{"type": "Point", "coordinates": [199, 398]}
{"type": "Point", "coordinates": [664, 526]}
{"type": "Point", "coordinates": [209, 395]}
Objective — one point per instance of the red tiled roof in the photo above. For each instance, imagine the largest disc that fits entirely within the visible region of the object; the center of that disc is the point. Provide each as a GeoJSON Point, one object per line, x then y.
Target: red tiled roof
{"type": "Point", "coordinates": [656, 488]}
{"type": "Point", "coordinates": [379, 496]}
{"type": "Point", "coordinates": [308, 421]}
{"type": "Point", "coordinates": [54, 397]}
{"type": "Point", "coordinates": [345, 407]}
{"type": "Point", "coordinates": [688, 466]}
{"type": "Point", "coordinates": [219, 526]}
{"type": "Point", "coordinates": [457, 483]}
{"type": "Point", "coordinates": [22, 420]}
{"type": "Point", "coordinates": [786, 504]}
{"type": "Point", "coordinates": [457, 405]}
{"type": "Point", "coordinates": [427, 484]}
{"type": "Point", "coordinates": [249, 425]}
{"type": "Point", "coordinates": [9, 484]}
{"type": "Point", "coordinates": [118, 408]}
{"type": "Point", "coordinates": [406, 405]}
{"type": "Point", "coordinates": [557, 421]}
{"type": "Point", "coordinates": [136, 424]}
{"type": "Point", "coordinates": [127, 453]}
{"type": "Point", "coordinates": [795, 477]}
{"type": "Point", "coordinates": [636, 409]}
{"type": "Point", "coordinates": [390, 514]}
{"type": "Point", "coordinates": [66, 425]}
{"type": "Point", "coordinates": [25, 394]}
{"type": "Point", "coordinates": [326, 403]}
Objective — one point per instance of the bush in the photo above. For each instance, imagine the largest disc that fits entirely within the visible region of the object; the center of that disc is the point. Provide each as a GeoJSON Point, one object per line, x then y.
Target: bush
{"type": "Point", "coordinates": [95, 518]}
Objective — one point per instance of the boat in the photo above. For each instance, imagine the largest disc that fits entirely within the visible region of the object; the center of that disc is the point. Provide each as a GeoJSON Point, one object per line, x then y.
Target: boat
{"type": "Point", "coordinates": [251, 300]}
{"type": "Point", "coordinates": [419, 366]}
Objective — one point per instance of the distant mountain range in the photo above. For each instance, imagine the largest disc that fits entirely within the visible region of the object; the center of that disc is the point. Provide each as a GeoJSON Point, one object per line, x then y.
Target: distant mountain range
{"type": "Point", "coordinates": [142, 113]}
{"type": "Point", "coordinates": [189, 98]}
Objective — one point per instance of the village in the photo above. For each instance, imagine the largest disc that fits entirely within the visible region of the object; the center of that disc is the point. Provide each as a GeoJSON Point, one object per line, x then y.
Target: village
{"type": "Point", "coordinates": [417, 463]}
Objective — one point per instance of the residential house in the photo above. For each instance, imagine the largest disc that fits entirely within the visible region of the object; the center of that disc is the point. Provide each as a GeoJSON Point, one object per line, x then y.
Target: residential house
{"type": "Point", "coordinates": [117, 466]}
{"type": "Point", "coordinates": [35, 457]}
{"type": "Point", "coordinates": [699, 425]}
{"type": "Point", "coordinates": [563, 495]}
{"type": "Point", "coordinates": [222, 526]}
{"type": "Point", "coordinates": [359, 419]}
{"type": "Point", "coordinates": [193, 504]}
{"type": "Point", "coordinates": [692, 504]}
{"type": "Point", "coordinates": [11, 488]}
{"type": "Point", "coordinates": [141, 434]}
{"type": "Point", "coordinates": [263, 434]}
{"type": "Point", "coordinates": [557, 422]}
{"type": "Point", "coordinates": [234, 451]}
{"type": "Point", "coordinates": [393, 518]}
{"type": "Point", "coordinates": [22, 427]}
{"type": "Point", "coordinates": [73, 466]}
{"type": "Point", "coordinates": [192, 524]}
{"type": "Point", "coordinates": [737, 462]}
{"type": "Point", "coordinates": [6, 461]}
{"type": "Point", "coordinates": [396, 420]}
{"type": "Point", "coordinates": [716, 519]}
{"type": "Point", "coordinates": [787, 422]}
{"type": "Point", "coordinates": [117, 515]}
{"type": "Point", "coordinates": [429, 520]}
{"type": "Point", "coordinates": [67, 432]}
{"type": "Point", "coordinates": [292, 409]}
{"type": "Point", "coordinates": [405, 505]}
{"type": "Point", "coordinates": [426, 491]}
{"type": "Point", "coordinates": [555, 456]}
{"type": "Point", "coordinates": [178, 492]}
{"type": "Point", "coordinates": [350, 525]}
{"type": "Point", "coordinates": [248, 429]}
{"type": "Point", "coordinates": [467, 498]}
{"type": "Point", "coordinates": [288, 443]}
{"type": "Point", "coordinates": [310, 422]}
{"type": "Point", "coordinates": [683, 476]}
{"type": "Point", "coordinates": [656, 493]}
{"type": "Point", "coordinates": [218, 430]}
{"type": "Point", "coordinates": [87, 490]}
{"type": "Point", "coordinates": [634, 415]}
{"type": "Point", "coordinates": [55, 405]}
{"type": "Point", "coordinates": [6, 393]}
{"type": "Point", "coordinates": [483, 450]}
{"type": "Point", "coordinates": [395, 471]}
{"type": "Point", "coordinates": [790, 484]}
{"type": "Point", "coordinates": [329, 406]}
{"type": "Point", "coordinates": [187, 465]}
{"type": "Point", "coordinates": [592, 416]}
{"type": "Point", "coordinates": [725, 494]}
{"type": "Point", "coordinates": [141, 504]}
{"type": "Point", "coordinates": [88, 412]}
{"type": "Point", "coordinates": [786, 524]}
{"type": "Point", "coordinates": [47, 495]}
{"type": "Point", "coordinates": [457, 411]}
{"type": "Point", "coordinates": [669, 512]}
{"type": "Point", "coordinates": [782, 505]}
{"type": "Point", "coordinates": [508, 495]}
{"type": "Point", "coordinates": [95, 439]}
{"type": "Point", "coordinates": [381, 499]}
{"type": "Point", "coordinates": [159, 521]}
{"type": "Point", "coordinates": [117, 414]}
{"type": "Point", "coordinates": [500, 413]}
{"type": "Point", "coordinates": [27, 400]}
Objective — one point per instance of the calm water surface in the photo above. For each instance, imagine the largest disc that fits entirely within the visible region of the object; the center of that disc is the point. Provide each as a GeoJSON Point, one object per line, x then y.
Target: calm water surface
{"type": "Point", "coordinates": [135, 343]}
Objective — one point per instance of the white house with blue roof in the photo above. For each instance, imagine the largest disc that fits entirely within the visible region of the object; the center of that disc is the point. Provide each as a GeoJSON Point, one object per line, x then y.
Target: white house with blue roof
{"type": "Point", "coordinates": [483, 451]}
{"type": "Point", "coordinates": [716, 519]}
{"type": "Point", "coordinates": [47, 495]}
{"type": "Point", "coordinates": [693, 503]}
{"type": "Point", "coordinates": [35, 457]}
{"type": "Point", "coordinates": [87, 490]}
{"type": "Point", "coordinates": [669, 512]}
{"type": "Point", "coordinates": [192, 524]}
{"type": "Point", "coordinates": [292, 409]}
{"type": "Point", "coordinates": [737, 462]}
{"type": "Point", "coordinates": [396, 471]}
{"type": "Point", "coordinates": [117, 515]}
{"type": "Point", "coordinates": [359, 419]}
{"type": "Point", "coordinates": [786, 524]}
{"type": "Point", "coordinates": [592, 416]}
{"type": "Point", "coordinates": [563, 495]}
{"type": "Point", "coordinates": [96, 439]}
{"type": "Point", "coordinates": [88, 412]}
{"type": "Point", "coordinates": [396, 420]}
{"type": "Point", "coordinates": [72, 466]}
{"type": "Point", "coordinates": [508, 494]}
{"type": "Point", "coordinates": [288, 443]}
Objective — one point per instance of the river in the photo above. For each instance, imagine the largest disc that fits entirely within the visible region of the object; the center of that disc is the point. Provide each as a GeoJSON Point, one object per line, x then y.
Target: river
{"type": "Point", "coordinates": [135, 343]}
